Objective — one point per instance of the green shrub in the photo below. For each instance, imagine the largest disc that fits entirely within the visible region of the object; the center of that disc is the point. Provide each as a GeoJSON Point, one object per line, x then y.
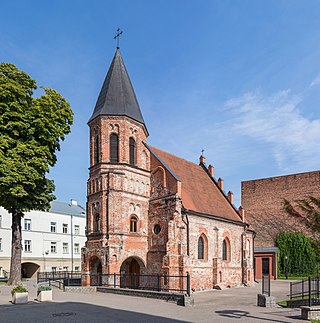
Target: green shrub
{"type": "Point", "coordinates": [43, 288]}
{"type": "Point", "coordinates": [297, 255]}
{"type": "Point", "coordinates": [18, 289]}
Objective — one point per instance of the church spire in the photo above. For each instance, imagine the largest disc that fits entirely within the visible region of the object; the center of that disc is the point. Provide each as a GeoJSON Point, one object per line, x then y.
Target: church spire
{"type": "Point", "coordinates": [117, 96]}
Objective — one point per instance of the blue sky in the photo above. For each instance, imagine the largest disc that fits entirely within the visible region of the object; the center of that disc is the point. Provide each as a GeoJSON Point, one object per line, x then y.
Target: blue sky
{"type": "Point", "coordinates": [239, 79]}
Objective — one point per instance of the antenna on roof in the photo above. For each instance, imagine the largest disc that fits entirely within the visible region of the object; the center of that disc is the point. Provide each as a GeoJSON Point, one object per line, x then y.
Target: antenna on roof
{"type": "Point", "coordinates": [117, 37]}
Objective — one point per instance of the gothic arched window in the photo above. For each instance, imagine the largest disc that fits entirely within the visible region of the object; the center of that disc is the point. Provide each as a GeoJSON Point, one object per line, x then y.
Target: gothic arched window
{"type": "Point", "coordinates": [132, 151]}
{"type": "Point", "coordinates": [97, 223]}
{"type": "Point", "coordinates": [133, 224]}
{"type": "Point", "coordinates": [226, 249]}
{"type": "Point", "coordinates": [96, 149]}
{"type": "Point", "coordinates": [114, 148]}
{"type": "Point", "coordinates": [200, 248]}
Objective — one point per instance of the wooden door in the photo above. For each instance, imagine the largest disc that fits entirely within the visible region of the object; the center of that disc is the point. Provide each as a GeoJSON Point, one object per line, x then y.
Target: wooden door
{"type": "Point", "coordinates": [134, 271]}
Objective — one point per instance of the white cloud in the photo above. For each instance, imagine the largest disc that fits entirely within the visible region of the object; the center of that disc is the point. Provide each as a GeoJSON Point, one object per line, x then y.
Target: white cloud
{"type": "Point", "coordinates": [277, 121]}
{"type": "Point", "coordinates": [316, 81]}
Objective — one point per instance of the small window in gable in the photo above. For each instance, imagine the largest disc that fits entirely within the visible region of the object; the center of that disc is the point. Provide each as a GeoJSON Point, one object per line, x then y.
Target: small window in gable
{"type": "Point", "coordinates": [114, 148]}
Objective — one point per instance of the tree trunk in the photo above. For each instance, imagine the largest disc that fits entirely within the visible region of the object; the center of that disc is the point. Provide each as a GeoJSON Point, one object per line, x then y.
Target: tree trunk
{"type": "Point", "coordinates": [16, 249]}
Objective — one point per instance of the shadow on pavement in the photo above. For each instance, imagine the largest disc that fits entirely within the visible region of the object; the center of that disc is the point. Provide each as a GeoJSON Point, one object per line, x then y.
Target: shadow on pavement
{"type": "Point", "coordinates": [72, 312]}
{"type": "Point", "coordinates": [238, 314]}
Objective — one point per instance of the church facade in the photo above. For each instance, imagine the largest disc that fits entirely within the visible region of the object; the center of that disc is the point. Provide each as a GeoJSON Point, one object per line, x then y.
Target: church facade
{"type": "Point", "coordinates": [150, 212]}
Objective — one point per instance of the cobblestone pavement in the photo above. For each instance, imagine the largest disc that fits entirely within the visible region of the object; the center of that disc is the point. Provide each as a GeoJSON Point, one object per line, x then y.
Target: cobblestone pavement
{"type": "Point", "coordinates": [230, 305]}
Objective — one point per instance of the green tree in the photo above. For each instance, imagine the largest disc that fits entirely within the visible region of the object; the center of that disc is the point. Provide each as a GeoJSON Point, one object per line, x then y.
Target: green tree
{"type": "Point", "coordinates": [30, 133]}
{"type": "Point", "coordinates": [297, 255]}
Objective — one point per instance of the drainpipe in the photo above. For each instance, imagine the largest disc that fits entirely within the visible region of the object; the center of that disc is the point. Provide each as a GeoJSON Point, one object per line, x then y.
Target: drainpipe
{"type": "Point", "coordinates": [72, 261]}
{"type": "Point", "coordinates": [242, 260]}
{"type": "Point", "coordinates": [254, 262]}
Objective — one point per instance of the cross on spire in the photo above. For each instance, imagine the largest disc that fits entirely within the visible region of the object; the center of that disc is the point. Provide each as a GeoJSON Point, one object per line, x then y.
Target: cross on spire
{"type": "Point", "coordinates": [202, 151]}
{"type": "Point", "coordinates": [117, 37]}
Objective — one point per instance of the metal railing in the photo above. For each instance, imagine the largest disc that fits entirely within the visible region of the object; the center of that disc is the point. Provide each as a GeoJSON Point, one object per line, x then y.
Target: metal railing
{"type": "Point", "coordinates": [265, 284]}
{"type": "Point", "coordinates": [308, 289]}
{"type": "Point", "coordinates": [148, 282]}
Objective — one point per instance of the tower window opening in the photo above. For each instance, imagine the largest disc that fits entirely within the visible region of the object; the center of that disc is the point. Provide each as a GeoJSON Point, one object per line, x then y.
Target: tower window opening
{"type": "Point", "coordinates": [133, 224]}
{"type": "Point", "coordinates": [97, 223]}
{"type": "Point", "coordinates": [96, 150]}
{"type": "Point", "coordinates": [132, 151]}
{"type": "Point", "coordinates": [114, 148]}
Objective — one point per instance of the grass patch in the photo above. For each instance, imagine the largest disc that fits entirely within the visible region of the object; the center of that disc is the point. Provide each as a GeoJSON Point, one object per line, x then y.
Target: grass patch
{"type": "Point", "coordinates": [292, 278]}
{"type": "Point", "coordinates": [315, 321]}
{"type": "Point", "coordinates": [282, 303]}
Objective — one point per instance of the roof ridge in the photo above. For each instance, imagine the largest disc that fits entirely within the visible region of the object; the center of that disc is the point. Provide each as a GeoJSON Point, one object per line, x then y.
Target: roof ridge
{"type": "Point", "coordinates": [205, 169]}
{"type": "Point", "coordinates": [188, 161]}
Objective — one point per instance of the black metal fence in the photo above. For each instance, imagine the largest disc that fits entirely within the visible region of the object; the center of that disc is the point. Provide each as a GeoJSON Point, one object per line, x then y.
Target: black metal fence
{"type": "Point", "coordinates": [151, 282]}
{"type": "Point", "coordinates": [265, 284]}
{"type": "Point", "coordinates": [308, 289]}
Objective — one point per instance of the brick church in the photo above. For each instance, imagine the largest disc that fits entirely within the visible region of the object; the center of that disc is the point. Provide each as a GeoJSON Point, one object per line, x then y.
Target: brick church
{"type": "Point", "coordinates": [151, 212]}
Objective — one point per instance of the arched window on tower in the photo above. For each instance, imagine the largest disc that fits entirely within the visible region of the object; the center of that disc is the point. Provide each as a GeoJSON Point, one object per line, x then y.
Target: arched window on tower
{"type": "Point", "coordinates": [97, 223]}
{"type": "Point", "coordinates": [132, 151]}
{"type": "Point", "coordinates": [133, 224]}
{"type": "Point", "coordinates": [114, 148]}
{"type": "Point", "coordinates": [96, 149]}
{"type": "Point", "coordinates": [200, 248]}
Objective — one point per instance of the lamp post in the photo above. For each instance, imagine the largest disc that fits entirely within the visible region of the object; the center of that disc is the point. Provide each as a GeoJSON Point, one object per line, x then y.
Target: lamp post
{"type": "Point", "coordinates": [71, 229]}
{"type": "Point", "coordinates": [286, 266]}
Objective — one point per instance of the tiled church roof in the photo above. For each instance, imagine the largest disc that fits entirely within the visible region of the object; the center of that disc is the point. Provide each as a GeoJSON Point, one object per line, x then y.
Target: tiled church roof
{"type": "Point", "coordinates": [199, 192]}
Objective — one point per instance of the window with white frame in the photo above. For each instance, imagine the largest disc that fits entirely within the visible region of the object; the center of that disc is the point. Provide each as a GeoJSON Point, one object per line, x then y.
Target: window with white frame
{"type": "Point", "coordinates": [77, 268]}
{"type": "Point", "coordinates": [64, 228]}
{"type": "Point", "coordinates": [53, 227]}
{"type": "Point", "coordinates": [54, 269]}
{"type": "Point", "coordinates": [27, 245]}
{"type": "Point", "coordinates": [0, 221]}
{"type": "Point", "coordinates": [76, 248]}
{"type": "Point", "coordinates": [53, 247]}
{"type": "Point", "coordinates": [65, 247]}
{"type": "Point", "coordinates": [77, 230]}
{"type": "Point", "coordinates": [0, 244]}
{"type": "Point", "coordinates": [65, 268]}
{"type": "Point", "coordinates": [27, 224]}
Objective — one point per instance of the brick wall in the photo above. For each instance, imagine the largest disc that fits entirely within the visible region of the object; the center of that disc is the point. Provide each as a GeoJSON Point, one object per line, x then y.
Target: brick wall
{"type": "Point", "coordinates": [262, 200]}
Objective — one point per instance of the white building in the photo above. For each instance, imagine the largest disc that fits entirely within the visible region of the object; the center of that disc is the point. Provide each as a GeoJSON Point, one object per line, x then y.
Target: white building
{"type": "Point", "coordinates": [50, 240]}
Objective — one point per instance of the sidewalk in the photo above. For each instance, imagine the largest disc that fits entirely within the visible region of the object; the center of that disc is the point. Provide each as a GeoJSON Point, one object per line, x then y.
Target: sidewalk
{"type": "Point", "coordinates": [230, 305]}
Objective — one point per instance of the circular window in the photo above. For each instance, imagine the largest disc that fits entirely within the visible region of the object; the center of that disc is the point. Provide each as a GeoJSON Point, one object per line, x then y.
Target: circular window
{"type": "Point", "coordinates": [157, 229]}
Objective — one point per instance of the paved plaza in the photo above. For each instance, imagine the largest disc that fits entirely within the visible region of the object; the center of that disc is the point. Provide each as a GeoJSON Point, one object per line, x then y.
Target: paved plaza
{"type": "Point", "coordinates": [230, 305]}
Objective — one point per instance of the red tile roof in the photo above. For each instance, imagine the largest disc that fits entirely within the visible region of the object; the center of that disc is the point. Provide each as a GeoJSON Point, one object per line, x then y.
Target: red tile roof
{"type": "Point", "coordinates": [199, 192]}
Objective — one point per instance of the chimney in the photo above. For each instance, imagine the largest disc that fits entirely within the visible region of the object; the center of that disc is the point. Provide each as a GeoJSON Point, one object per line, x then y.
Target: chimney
{"type": "Point", "coordinates": [73, 202]}
{"type": "Point", "coordinates": [202, 159]}
{"type": "Point", "coordinates": [211, 170]}
{"type": "Point", "coordinates": [221, 183]}
{"type": "Point", "coordinates": [230, 197]}
{"type": "Point", "coordinates": [241, 211]}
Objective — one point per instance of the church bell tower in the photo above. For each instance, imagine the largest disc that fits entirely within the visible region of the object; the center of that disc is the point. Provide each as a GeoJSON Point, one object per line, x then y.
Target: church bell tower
{"type": "Point", "coordinates": [118, 187]}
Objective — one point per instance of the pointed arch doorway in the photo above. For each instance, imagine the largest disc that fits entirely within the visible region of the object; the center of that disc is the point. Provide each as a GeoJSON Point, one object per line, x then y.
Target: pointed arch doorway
{"type": "Point", "coordinates": [95, 271]}
{"type": "Point", "coordinates": [130, 272]}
